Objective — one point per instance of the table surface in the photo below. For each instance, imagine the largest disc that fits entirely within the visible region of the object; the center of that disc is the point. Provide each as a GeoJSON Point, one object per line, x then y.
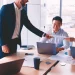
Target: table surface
{"type": "Point", "coordinates": [29, 70]}
{"type": "Point", "coordinates": [66, 69]}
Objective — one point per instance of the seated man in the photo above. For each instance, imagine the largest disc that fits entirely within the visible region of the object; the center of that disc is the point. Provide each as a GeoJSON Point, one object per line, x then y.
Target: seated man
{"type": "Point", "coordinates": [56, 35]}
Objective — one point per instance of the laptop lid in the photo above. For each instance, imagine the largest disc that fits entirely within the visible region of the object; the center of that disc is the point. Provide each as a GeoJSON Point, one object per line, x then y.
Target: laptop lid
{"type": "Point", "coordinates": [46, 48]}
{"type": "Point", "coordinates": [11, 67]}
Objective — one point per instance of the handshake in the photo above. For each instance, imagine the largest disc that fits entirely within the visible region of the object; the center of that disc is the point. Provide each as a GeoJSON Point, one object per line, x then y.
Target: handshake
{"type": "Point", "coordinates": [70, 39]}
{"type": "Point", "coordinates": [47, 36]}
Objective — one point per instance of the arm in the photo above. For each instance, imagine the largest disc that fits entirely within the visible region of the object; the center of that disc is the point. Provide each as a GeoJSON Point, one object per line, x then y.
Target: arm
{"type": "Point", "coordinates": [3, 27]}
{"type": "Point", "coordinates": [29, 26]}
{"type": "Point", "coordinates": [70, 39]}
{"type": "Point", "coordinates": [66, 44]}
{"type": "Point", "coordinates": [3, 31]}
{"type": "Point", "coordinates": [45, 37]}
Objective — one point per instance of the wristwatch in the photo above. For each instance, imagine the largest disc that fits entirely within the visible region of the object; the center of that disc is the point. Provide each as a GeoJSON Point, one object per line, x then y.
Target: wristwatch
{"type": "Point", "coordinates": [44, 34]}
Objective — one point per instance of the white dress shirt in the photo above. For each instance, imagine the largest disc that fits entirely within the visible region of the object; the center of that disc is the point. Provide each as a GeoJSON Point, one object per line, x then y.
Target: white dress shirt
{"type": "Point", "coordinates": [17, 26]}
{"type": "Point", "coordinates": [58, 38]}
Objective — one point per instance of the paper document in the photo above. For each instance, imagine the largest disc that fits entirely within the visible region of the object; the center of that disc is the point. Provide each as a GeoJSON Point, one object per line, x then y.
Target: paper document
{"type": "Point", "coordinates": [59, 57]}
{"type": "Point", "coordinates": [29, 60]}
{"type": "Point", "coordinates": [63, 58]}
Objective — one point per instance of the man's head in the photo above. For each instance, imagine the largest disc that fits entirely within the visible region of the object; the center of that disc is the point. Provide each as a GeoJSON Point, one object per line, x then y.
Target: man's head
{"type": "Point", "coordinates": [57, 23]}
{"type": "Point", "coordinates": [21, 3]}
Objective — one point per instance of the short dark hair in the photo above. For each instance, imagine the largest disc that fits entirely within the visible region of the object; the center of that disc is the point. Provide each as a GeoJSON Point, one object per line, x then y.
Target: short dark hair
{"type": "Point", "coordinates": [57, 18]}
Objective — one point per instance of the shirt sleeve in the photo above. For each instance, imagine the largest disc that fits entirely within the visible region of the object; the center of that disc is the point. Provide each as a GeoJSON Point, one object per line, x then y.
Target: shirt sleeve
{"type": "Point", "coordinates": [66, 44]}
{"type": "Point", "coordinates": [43, 39]}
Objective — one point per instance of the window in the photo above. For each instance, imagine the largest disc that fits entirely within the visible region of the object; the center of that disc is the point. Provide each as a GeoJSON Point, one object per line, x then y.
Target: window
{"type": "Point", "coordinates": [68, 13]}
{"type": "Point", "coordinates": [51, 9]}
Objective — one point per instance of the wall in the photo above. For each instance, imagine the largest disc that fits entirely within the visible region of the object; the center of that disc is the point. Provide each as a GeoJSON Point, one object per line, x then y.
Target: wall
{"type": "Point", "coordinates": [34, 13]}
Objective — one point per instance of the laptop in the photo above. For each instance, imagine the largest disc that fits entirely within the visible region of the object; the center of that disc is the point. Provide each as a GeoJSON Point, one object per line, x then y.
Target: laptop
{"type": "Point", "coordinates": [11, 67]}
{"type": "Point", "coordinates": [46, 48]}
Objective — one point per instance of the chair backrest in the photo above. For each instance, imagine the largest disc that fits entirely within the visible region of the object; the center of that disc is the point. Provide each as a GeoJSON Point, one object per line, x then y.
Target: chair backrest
{"type": "Point", "coordinates": [71, 43]}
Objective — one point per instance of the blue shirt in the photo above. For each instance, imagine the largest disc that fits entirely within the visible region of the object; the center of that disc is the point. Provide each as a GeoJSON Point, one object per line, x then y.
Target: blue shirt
{"type": "Point", "coordinates": [58, 38]}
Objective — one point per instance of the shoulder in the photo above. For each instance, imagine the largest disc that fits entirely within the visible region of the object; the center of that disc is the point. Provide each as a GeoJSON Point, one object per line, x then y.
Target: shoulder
{"type": "Point", "coordinates": [64, 32]}
{"type": "Point", "coordinates": [6, 7]}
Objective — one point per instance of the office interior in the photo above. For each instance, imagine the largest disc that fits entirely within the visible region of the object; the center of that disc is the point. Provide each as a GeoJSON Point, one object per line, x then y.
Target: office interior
{"type": "Point", "coordinates": [41, 12]}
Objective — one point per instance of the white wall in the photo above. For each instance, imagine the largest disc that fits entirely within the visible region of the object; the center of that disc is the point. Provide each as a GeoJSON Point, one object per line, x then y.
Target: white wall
{"type": "Point", "coordinates": [34, 13]}
{"type": "Point", "coordinates": [43, 14]}
{"type": "Point", "coordinates": [3, 2]}
{"type": "Point", "coordinates": [8, 1]}
{"type": "Point", "coordinates": [34, 2]}
{"type": "Point", "coordinates": [34, 16]}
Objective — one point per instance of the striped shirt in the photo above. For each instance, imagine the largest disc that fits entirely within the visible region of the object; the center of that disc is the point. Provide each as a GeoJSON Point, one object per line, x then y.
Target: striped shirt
{"type": "Point", "coordinates": [58, 38]}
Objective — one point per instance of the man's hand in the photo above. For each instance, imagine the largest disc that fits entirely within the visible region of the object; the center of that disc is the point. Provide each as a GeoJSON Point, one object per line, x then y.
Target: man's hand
{"type": "Point", "coordinates": [59, 49]}
{"type": "Point", "coordinates": [48, 36]}
{"type": "Point", "coordinates": [70, 39]}
{"type": "Point", "coordinates": [5, 49]}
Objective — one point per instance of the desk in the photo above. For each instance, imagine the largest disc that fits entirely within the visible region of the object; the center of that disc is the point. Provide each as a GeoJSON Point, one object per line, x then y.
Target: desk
{"type": "Point", "coordinates": [68, 69]}
{"type": "Point", "coordinates": [27, 70]}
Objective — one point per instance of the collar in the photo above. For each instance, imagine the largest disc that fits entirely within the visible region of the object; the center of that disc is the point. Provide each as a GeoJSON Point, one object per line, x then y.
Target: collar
{"type": "Point", "coordinates": [57, 32]}
{"type": "Point", "coordinates": [17, 7]}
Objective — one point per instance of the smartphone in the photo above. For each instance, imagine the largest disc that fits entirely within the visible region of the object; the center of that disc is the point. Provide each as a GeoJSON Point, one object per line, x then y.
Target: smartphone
{"type": "Point", "coordinates": [29, 54]}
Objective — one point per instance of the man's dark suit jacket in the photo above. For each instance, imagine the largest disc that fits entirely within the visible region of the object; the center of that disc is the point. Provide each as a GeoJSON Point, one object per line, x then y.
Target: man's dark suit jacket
{"type": "Point", "coordinates": [7, 24]}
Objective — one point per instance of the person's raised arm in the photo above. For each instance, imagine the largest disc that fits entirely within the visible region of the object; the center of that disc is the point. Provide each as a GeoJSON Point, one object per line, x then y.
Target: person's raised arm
{"type": "Point", "coordinates": [29, 26]}
{"type": "Point", "coordinates": [70, 39]}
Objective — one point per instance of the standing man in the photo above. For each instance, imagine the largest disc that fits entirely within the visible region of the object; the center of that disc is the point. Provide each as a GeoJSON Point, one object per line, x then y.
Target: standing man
{"type": "Point", "coordinates": [12, 19]}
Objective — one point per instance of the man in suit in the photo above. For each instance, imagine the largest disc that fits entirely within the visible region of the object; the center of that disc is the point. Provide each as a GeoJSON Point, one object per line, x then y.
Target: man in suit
{"type": "Point", "coordinates": [12, 19]}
